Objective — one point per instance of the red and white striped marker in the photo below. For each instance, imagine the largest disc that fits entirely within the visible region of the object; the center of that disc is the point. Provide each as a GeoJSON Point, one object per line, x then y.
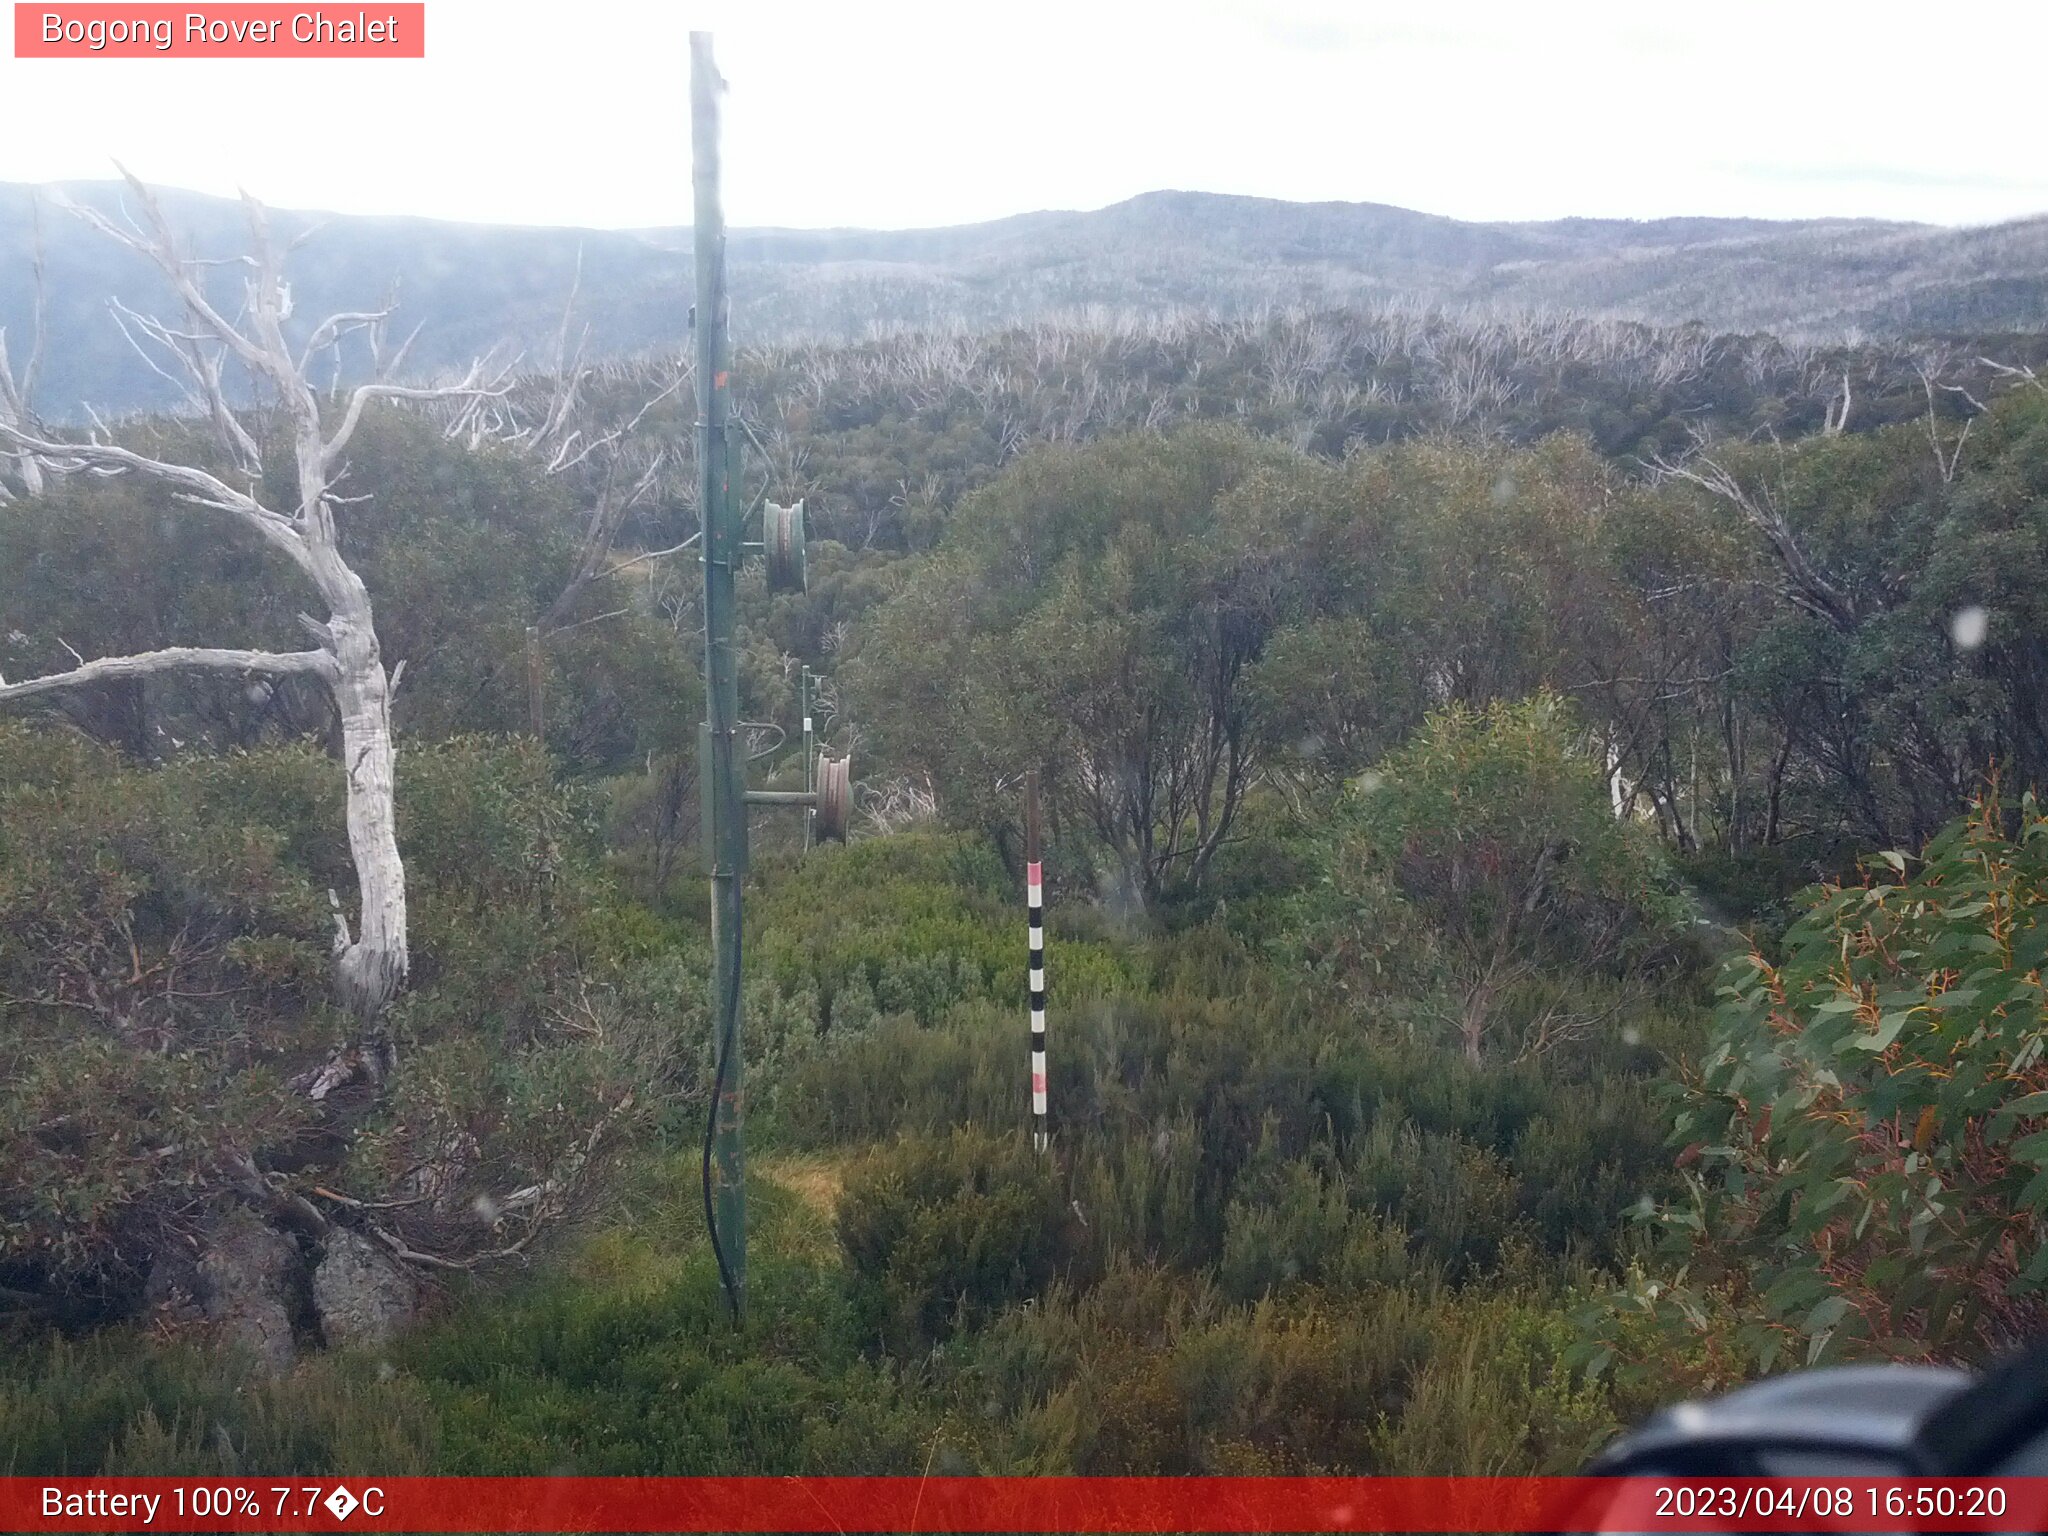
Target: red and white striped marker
{"type": "Point", "coordinates": [1036, 901]}
{"type": "Point", "coordinates": [1034, 896]}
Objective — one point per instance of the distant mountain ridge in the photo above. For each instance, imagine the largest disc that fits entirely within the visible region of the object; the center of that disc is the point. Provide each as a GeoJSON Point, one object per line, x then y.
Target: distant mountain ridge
{"type": "Point", "coordinates": [475, 286]}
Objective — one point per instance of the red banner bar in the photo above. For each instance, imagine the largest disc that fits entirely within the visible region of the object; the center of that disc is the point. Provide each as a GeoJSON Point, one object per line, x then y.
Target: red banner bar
{"type": "Point", "coordinates": [379, 30]}
{"type": "Point", "coordinates": [1020, 1504]}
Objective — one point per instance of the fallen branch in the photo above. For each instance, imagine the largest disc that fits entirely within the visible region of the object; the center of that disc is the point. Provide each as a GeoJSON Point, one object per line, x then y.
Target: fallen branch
{"type": "Point", "coordinates": [542, 1204]}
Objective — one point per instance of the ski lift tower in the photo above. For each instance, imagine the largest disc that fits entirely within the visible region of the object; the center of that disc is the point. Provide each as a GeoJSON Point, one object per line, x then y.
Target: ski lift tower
{"type": "Point", "coordinates": [721, 757]}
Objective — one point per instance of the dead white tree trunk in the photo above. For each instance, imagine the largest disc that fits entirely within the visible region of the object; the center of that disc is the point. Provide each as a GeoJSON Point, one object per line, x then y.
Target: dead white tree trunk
{"type": "Point", "coordinates": [370, 963]}
{"type": "Point", "coordinates": [17, 391]}
{"type": "Point", "coordinates": [1947, 456]}
{"type": "Point", "coordinates": [568, 440]}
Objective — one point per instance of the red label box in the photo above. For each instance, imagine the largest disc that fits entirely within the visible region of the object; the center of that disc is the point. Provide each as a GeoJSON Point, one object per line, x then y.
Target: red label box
{"type": "Point", "coordinates": [237, 31]}
{"type": "Point", "coordinates": [1134, 1506]}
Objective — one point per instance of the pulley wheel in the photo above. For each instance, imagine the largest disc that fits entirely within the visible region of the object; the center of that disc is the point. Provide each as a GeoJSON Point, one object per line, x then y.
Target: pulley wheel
{"type": "Point", "coordinates": [835, 798]}
{"type": "Point", "coordinates": [782, 535]}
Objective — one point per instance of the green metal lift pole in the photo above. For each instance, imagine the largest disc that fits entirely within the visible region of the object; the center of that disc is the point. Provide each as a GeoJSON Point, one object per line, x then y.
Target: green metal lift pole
{"type": "Point", "coordinates": [719, 764]}
{"type": "Point", "coordinates": [803, 703]}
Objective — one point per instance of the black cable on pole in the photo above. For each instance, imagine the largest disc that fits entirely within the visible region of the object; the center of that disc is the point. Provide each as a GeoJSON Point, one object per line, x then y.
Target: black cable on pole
{"type": "Point", "coordinates": [732, 1013]}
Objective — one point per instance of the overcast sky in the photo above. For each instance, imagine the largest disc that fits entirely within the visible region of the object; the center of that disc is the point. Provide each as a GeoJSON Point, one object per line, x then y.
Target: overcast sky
{"type": "Point", "coordinates": [884, 114]}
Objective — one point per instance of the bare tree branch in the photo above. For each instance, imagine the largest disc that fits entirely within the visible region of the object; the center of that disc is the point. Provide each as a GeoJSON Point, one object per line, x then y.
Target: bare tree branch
{"type": "Point", "coordinates": [159, 245]}
{"type": "Point", "coordinates": [656, 554]}
{"type": "Point", "coordinates": [1804, 582]}
{"type": "Point", "coordinates": [171, 659]}
{"type": "Point", "coordinates": [195, 485]}
{"type": "Point", "coordinates": [475, 385]}
{"type": "Point", "coordinates": [2018, 373]}
{"type": "Point", "coordinates": [1946, 456]}
{"type": "Point", "coordinates": [600, 533]}
{"type": "Point", "coordinates": [334, 328]}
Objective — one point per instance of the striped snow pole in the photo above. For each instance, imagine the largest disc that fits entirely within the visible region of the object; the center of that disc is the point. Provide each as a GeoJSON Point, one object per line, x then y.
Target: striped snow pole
{"type": "Point", "coordinates": [1034, 897]}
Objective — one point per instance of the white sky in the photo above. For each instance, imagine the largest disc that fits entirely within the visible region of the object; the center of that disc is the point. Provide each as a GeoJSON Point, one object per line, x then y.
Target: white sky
{"type": "Point", "coordinates": [894, 113]}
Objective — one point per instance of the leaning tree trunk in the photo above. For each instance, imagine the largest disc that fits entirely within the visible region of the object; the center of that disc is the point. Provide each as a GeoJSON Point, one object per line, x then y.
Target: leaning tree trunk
{"type": "Point", "coordinates": [370, 967]}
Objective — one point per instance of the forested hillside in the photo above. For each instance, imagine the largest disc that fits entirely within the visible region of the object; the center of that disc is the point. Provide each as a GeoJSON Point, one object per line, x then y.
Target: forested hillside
{"type": "Point", "coordinates": [1154, 257]}
{"type": "Point", "coordinates": [1543, 888]}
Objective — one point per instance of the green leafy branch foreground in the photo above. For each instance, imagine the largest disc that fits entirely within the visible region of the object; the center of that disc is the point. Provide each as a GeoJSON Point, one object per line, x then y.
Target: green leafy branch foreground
{"type": "Point", "coordinates": [1865, 1139]}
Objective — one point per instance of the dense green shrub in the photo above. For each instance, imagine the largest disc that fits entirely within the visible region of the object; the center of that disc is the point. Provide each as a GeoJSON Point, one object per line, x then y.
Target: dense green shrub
{"type": "Point", "coordinates": [940, 1233]}
{"type": "Point", "coordinates": [162, 971]}
{"type": "Point", "coordinates": [121, 1404]}
{"type": "Point", "coordinates": [619, 1358]}
{"type": "Point", "coordinates": [911, 924]}
{"type": "Point", "coordinates": [1289, 1225]}
{"type": "Point", "coordinates": [569, 1377]}
{"type": "Point", "coordinates": [163, 977]}
{"type": "Point", "coordinates": [1499, 1396]}
{"type": "Point", "coordinates": [1106, 602]}
{"type": "Point", "coordinates": [1494, 828]}
{"type": "Point", "coordinates": [1152, 1372]}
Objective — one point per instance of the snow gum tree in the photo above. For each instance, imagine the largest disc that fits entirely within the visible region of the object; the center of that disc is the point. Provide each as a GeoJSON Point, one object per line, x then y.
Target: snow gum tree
{"type": "Point", "coordinates": [209, 346]}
